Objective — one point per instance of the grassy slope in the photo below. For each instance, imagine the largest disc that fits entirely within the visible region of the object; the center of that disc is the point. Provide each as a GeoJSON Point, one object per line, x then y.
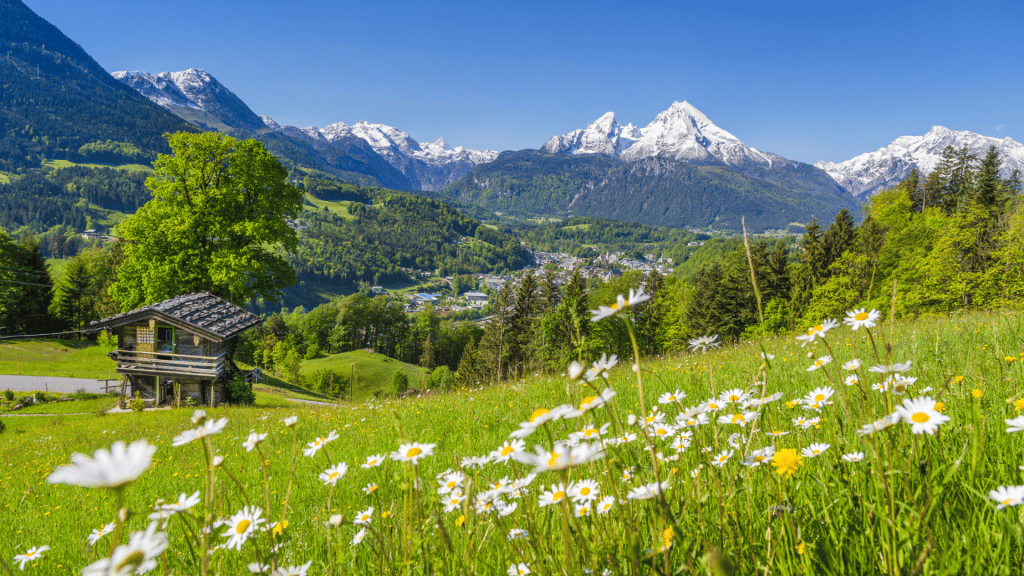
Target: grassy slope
{"type": "Point", "coordinates": [90, 406]}
{"type": "Point", "coordinates": [963, 534]}
{"type": "Point", "coordinates": [64, 358]}
{"type": "Point", "coordinates": [340, 208]}
{"type": "Point", "coordinates": [373, 371]}
{"type": "Point", "coordinates": [68, 164]}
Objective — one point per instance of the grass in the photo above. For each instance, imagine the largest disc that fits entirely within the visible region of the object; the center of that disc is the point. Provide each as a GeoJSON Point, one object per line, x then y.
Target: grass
{"type": "Point", "coordinates": [58, 358]}
{"type": "Point", "coordinates": [373, 372]}
{"type": "Point", "coordinates": [77, 406]}
{"type": "Point", "coordinates": [915, 504]}
{"type": "Point", "coordinates": [341, 208]}
{"type": "Point", "coordinates": [274, 386]}
{"type": "Point", "coordinates": [69, 164]}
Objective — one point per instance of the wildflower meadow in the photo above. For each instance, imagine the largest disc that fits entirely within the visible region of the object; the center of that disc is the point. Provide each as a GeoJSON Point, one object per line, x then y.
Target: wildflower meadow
{"type": "Point", "coordinates": [860, 446]}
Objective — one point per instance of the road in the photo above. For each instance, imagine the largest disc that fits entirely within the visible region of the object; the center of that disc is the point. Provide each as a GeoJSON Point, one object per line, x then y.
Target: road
{"type": "Point", "coordinates": [49, 383]}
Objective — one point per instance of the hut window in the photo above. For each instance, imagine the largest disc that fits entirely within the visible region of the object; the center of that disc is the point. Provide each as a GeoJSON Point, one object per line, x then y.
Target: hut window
{"type": "Point", "coordinates": [145, 335]}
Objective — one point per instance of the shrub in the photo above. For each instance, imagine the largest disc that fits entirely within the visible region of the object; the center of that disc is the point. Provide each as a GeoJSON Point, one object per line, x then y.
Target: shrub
{"type": "Point", "coordinates": [239, 391]}
{"type": "Point", "coordinates": [8, 395]}
{"type": "Point", "coordinates": [442, 379]}
{"type": "Point", "coordinates": [327, 382]}
{"type": "Point", "coordinates": [137, 403]}
{"type": "Point", "coordinates": [400, 383]}
{"type": "Point", "coordinates": [191, 401]}
{"type": "Point", "coordinates": [313, 351]}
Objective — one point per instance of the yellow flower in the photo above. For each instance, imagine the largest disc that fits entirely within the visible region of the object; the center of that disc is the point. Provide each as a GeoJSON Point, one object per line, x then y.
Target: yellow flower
{"type": "Point", "coordinates": [976, 392]}
{"type": "Point", "coordinates": [800, 547]}
{"type": "Point", "coordinates": [1019, 404]}
{"type": "Point", "coordinates": [958, 379]}
{"type": "Point", "coordinates": [461, 520]}
{"type": "Point", "coordinates": [1009, 358]}
{"type": "Point", "coordinates": [786, 461]}
{"type": "Point", "coordinates": [279, 528]}
{"type": "Point", "coordinates": [666, 537]}
{"type": "Point", "coordinates": [385, 514]}
{"type": "Point", "coordinates": [789, 404]}
{"type": "Point", "coordinates": [940, 406]}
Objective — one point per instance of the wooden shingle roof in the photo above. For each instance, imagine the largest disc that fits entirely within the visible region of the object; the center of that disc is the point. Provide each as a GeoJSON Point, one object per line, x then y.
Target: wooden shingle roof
{"type": "Point", "coordinates": [202, 313]}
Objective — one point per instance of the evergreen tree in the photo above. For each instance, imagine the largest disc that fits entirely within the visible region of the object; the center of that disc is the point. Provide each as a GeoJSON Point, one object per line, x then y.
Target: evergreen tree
{"type": "Point", "coordinates": [427, 357]}
{"type": "Point", "coordinates": [915, 189]}
{"type": "Point", "coordinates": [705, 313]}
{"type": "Point", "coordinates": [837, 239]}
{"type": "Point", "coordinates": [550, 296]}
{"type": "Point", "coordinates": [649, 317]}
{"type": "Point", "coordinates": [469, 365]}
{"type": "Point", "coordinates": [73, 297]}
{"type": "Point", "coordinates": [811, 268]}
{"type": "Point", "coordinates": [495, 342]}
{"type": "Point", "coordinates": [524, 338]}
{"type": "Point", "coordinates": [988, 189]}
{"type": "Point", "coordinates": [777, 283]}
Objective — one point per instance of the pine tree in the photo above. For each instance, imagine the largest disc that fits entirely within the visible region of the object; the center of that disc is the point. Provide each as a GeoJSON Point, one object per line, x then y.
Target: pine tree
{"type": "Point", "coordinates": [810, 270]}
{"type": "Point", "coordinates": [550, 296]}
{"type": "Point", "coordinates": [915, 189]}
{"type": "Point", "coordinates": [837, 239]}
{"type": "Point", "coordinates": [427, 357]}
{"type": "Point", "coordinates": [704, 313]}
{"type": "Point", "coordinates": [73, 298]}
{"type": "Point", "coordinates": [524, 335]}
{"type": "Point", "coordinates": [469, 370]}
{"type": "Point", "coordinates": [777, 283]}
{"type": "Point", "coordinates": [649, 317]}
{"type": "Point", "coordinates": [988, 189]}
{"type": "Point", "coordinates": [495, 341]}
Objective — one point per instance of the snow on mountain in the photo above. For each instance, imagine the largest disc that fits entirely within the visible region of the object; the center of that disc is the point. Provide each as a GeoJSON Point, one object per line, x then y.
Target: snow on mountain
{"type": "Point", "coordinates": [193, 89]}
{"type": "Point", "coordinates": [681, 133]}
{"type": "Point", "coordinates": [602, 136]}
{"type": "Point", "coordinates": [430, 166]}
{"type": "Point", "coordinates": [875, 171]}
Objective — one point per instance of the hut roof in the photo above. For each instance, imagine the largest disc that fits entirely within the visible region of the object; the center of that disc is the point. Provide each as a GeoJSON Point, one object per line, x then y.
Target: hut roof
{"type": "Point", "coordinates": [203, 313]}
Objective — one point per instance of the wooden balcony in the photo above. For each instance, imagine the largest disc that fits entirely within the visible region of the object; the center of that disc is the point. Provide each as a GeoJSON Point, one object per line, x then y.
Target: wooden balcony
{"type": "Point", "coordinates": [166, 364]}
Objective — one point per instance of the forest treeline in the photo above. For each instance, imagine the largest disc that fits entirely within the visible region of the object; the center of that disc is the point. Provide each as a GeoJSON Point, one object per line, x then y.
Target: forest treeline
{"type": "Point", "coordinates": [928, 245]}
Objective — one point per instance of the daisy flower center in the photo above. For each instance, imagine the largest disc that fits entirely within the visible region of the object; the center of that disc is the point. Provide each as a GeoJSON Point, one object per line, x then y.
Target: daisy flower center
{"type": "Point", "coordinates": [586, 401]}
{"type": "Point", "coordinates": [584, 491]}
{"type": "Point", "coordinates": [451, 484]}
{"type": "Point", "coordinates": [414, 451]}
{"type": "Point", "coordinates": [243, 526]}
{"type": "Point", "coordinates": [372, 462]}
{"type": "Point", "coordinates": [816, 451]}
{"type": "Point", "coordinates": [558, 495]}
{"type": "Point", "coordinates": [538, 413]}
{"type": "Point", "coordinates": [819, 397]}
{"type": "Point", "coordinates": [553, 460]}
{"type": "Point", "coordinates": [507, 450]}
{"type": "Point", "coordinates": [920, 417]}
{"type": "Point", "coordinates": [583, 511]}
{"type": "Point", "coordinates": [737, 418]}
{"type": "Point", "coordinates": [861, 316]}
{"type": "Point", "coordinates": [332, 476]}
{"type": "Point", "coordinates": [733, 398]}
{"type": "Point", "coordinates": [819, 328]}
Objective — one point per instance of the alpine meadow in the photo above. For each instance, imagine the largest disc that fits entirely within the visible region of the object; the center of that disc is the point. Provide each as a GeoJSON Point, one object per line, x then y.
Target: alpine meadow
{"type": "Point", "coordinates": [329, 289]}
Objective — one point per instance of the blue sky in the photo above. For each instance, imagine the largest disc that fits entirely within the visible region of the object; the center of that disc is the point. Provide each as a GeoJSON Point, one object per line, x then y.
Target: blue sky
{"type": "Point", "coordinates": [807, 80]}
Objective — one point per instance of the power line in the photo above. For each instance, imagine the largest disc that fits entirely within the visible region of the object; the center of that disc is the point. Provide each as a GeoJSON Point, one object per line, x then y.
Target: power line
{"type": "Point", "coordinates": [23, 271]}
{"type": "Point", "coordinates": [38, 335]}
{"type": "Point", "coordinates": [47, 285]}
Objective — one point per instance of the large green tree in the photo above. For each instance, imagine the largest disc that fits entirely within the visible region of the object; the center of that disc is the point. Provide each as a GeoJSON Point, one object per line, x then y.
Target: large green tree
{"type": "Point", "coordinates": [218, 215]}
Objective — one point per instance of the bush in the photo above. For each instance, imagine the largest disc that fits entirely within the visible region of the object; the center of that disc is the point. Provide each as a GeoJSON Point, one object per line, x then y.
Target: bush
{"type": "Point", "coordinates": [191, 401]}
{"type": "Point", "coordinates": [8, 395]}
{"type": "Point", "coordinates": [327, 382]}
{"type": "Point", "coordinates": [400, 383]}
{"type": "Point", "coordinates": [312, 351]}
{"type": "Point", "coordinates": [239, 391]}
{"type": "Point", "coordinates": [137, 404]}
{"type": "Point", "coordinates": [442, 379]}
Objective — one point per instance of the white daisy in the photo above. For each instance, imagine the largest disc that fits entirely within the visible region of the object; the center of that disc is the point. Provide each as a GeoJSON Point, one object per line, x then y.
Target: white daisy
{"type": "Point", "coordinates": [313, 447]}
{"type": "Point", "coordinates": [113, 469]}
{"type": "Point", "coordinates": [858, 319]}
{"type": "Point", "coordinates": [853, 457]}
{"type": "Point", "coordinates": [241, 526]}
{"type": "Point", "coordinates": [31, 555]}
{"type": "Point", "coordinates": [920, 413]}
{"type": "Point", "coordinates": [253, 440]}
{"type": "Point", "coordinates": [413, 452]}
{"type": "Point", "coordinates": [331, 476]}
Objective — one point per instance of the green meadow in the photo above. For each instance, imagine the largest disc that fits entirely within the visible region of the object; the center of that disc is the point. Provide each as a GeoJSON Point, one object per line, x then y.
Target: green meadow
{"type": "Point", "coordinates": [669, 498]}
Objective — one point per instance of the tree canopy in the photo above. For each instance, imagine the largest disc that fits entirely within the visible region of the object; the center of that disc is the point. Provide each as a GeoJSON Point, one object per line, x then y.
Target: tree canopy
{"type": "Point", "coordinates": [216, 221]}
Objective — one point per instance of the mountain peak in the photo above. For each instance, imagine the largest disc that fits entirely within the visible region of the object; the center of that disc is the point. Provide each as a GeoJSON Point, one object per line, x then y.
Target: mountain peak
{"type": "Point", "coordinates": [873, 172]}
{"type": "Point", "coordinates": [194, 89]}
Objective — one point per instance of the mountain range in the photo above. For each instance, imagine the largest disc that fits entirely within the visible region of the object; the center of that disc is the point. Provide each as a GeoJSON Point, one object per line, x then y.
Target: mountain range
{"type": "Point", "coordinates": [873, 172]}
{"type": "Point", "coordinates": [680, 169]}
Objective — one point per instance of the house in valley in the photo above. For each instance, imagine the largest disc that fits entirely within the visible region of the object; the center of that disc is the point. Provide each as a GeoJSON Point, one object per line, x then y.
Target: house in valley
{"type": "Point", "coordinates": [179, 348]}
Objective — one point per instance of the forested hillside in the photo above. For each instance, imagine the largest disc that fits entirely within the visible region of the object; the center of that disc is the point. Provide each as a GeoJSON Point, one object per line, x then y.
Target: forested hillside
{"type": "Point", "coordinates": [654, 191]}
{"type": "Point", "coordinates": [385, 230]}
{"type": "Point", "coordinates": [55, 99]}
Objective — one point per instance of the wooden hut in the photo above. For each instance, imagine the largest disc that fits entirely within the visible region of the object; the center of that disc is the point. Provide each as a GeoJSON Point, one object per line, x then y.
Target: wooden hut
{"type": "Point", "coordinates": [179, 348]}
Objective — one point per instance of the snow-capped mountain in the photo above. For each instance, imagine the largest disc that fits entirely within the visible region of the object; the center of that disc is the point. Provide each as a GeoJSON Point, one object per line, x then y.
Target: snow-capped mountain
{"type": "Point", "coordinates": [685, 134]}
{"type": "Point", "coordinates": [430, 166]}
{"type": "Point", "coordinates": [602, 136]}
{"type": "Point", "coordinates": [875, 171]}
{"type": "Point", "coordinates": [191, 91]}
{"type": "Point", "coordinates": [199, 98]}
{"type": "Point", "coordinates": [681, 133]}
